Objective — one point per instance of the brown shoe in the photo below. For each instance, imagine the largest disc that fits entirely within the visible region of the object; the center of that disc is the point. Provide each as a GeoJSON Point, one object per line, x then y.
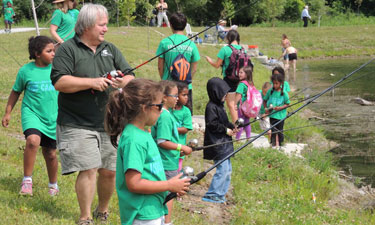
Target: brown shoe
{"type": "Point", "coordinates": [100, 216]}
{"type": "Point", "coordinates": [87, 221]}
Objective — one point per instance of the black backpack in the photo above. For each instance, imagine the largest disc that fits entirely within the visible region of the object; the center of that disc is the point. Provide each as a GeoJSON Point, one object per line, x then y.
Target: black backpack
{"type": "Point", "coordinates": [237, 60]}
{"type": "Point", "coordinates": [180, 69]}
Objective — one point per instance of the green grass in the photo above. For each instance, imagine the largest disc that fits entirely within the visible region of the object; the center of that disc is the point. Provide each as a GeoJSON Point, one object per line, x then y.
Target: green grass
{"type": "Point", "coordinates": [269, 188]}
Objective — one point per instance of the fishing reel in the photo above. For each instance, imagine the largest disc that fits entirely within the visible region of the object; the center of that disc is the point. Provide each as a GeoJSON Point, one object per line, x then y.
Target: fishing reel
{"type": "Point", "coordinates": [193, 143]}
{"type": "Point", "coordinates": [188, 172]}
{"type": "Point", "coordinates": [239, 123]}
{"type": "Point", "coordinates": [270, 108]}
{"type": "Point", "coordinates": [113, 74]}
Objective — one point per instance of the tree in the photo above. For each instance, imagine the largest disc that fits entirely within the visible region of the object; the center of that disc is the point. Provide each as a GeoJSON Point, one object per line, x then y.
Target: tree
{"type": "Point", "coordinates": [272, 9]}
{"type": "Point", "coordinates": [127, 9]}
{"type": "Point", "coordinates": [228, 11]}
{"type": "Point", "coordinates": [292, 10]}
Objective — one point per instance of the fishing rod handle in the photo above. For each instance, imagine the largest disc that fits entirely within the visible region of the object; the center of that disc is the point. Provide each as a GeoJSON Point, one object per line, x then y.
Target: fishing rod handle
{"type": "Point", "coordinates": [193, 179]}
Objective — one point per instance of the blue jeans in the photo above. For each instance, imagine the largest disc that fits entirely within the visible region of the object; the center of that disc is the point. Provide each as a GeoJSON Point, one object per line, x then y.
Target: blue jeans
{"type": "Point", "coordinates": [221, 180]}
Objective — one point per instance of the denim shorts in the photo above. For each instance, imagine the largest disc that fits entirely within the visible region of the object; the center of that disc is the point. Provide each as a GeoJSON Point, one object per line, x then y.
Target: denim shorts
{"type": "Point", "coordinates": [81, 149]}
{"type": "Point", "coordinates": [170, 173]}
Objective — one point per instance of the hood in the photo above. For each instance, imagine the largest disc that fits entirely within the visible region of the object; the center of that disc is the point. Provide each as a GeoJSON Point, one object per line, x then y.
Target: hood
{"type": "Point", "coordinates": [217, 89]}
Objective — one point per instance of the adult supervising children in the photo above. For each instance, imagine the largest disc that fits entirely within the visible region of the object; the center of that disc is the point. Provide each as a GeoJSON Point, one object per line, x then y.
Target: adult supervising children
{"type": "Point", "coordinates": [77, 72]}
{"type": "Point", "coordinates": [63, 20]}
{"type": "Point", "coordinates": [223, 59]}
{"type": "Point", "coordinates": [305, 16]}
{"type": "Point", "coordinates": [188, 49]}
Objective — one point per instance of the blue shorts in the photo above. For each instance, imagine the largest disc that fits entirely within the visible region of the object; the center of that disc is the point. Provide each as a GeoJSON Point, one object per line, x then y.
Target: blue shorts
{"type": "Point", "coordinates": [8, 22]}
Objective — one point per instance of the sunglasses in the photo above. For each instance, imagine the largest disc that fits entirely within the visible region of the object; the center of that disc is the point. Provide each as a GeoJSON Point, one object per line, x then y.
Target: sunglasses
{"type": "Point", "coordinates": [174, 96]}
{"type": "Point", "coordinates": [160, 106]}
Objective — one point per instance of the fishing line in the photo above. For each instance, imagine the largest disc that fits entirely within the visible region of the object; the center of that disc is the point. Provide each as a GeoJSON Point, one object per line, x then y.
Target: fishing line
{"type": "Point", "coordinates": [204, 173]}
{"type": "Point", "coordinates": [278, 131]}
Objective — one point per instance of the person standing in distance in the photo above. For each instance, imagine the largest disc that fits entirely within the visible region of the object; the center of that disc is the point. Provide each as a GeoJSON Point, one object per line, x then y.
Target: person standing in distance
{"type": "Point", "coordinates": [305, 16]}
{"type": "Point", "coordinates": [188, 49]}
{"type": "Point", "coordinates": [162, 13]}
{"type": "Point", "coordinates": [77, 73]}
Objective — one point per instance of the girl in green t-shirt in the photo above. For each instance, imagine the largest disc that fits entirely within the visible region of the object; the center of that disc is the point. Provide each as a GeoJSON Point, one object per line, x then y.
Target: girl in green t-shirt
{"type": "Point", "coordinates": [276, 101]}
{"type": "Point", "coordinates": [38, 112]}
{"type": "Point", "coordinates": [246, 78]}
{"type": "Point", "coordinates": [140, 179]}
{"type": "Point", "coordinates": [165, 134]}
{"type": "Point", "coordinates": [8, 17]}
{"type": "Point", "coordinates": [182, 114]}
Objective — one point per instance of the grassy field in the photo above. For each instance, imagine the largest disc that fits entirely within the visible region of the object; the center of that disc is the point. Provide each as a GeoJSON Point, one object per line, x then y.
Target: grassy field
{"type": "Point", "coordinates": [269, 188]}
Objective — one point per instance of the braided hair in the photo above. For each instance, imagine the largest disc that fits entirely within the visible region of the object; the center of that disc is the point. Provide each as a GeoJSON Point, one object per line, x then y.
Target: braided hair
{"type": "Point", "coordinates": [278, 74]}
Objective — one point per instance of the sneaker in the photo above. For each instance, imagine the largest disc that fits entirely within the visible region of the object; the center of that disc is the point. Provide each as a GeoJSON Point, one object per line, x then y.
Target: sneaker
{"type": "Point", "coordinates": [213, 199]}
{"type": "Point", "coordinates": [26, 188]}
{"type": "Point", "coordinates": [53, 191]}
{"type": "Point", "coordinates": [87, 221]}
{"type": "Point", "coordinates": [100, 216]}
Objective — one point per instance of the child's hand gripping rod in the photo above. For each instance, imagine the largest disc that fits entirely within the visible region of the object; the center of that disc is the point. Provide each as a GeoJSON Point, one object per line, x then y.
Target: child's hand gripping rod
{"type": "Point", "coordinates": [188, 172]}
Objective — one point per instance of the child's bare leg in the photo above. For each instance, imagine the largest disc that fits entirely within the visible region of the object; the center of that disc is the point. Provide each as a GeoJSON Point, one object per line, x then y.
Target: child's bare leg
{"type": "Point", "coordinates": [29, 154]}
{"type": "Point", "coordinates": [168, 218]}
{"type": "Point", "coordinates": [51, 163]}
{"type": "Point", "coordinates": [277, 140]}
{"type": "Point", "coordinates": [294, 69]}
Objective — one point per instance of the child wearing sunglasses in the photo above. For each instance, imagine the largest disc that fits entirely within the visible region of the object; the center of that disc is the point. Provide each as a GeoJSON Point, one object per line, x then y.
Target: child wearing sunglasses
{"type": "Point", "coordinates": [165, 134]}
{"type": "Point", "coordinates": [140, 179]}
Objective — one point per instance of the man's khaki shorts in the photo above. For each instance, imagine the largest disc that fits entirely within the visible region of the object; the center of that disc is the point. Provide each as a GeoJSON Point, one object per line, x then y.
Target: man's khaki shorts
{"type": "Point", "coordinates": [81, 149]}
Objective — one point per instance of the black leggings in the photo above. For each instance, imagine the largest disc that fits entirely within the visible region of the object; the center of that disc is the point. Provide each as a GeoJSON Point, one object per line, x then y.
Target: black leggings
{"type": "Point", "coordinates": [277, 130]}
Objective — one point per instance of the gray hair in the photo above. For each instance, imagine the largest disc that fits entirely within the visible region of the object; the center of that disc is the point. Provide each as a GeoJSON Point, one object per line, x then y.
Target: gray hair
{"type": "Point", "coordinates": [87, 17]}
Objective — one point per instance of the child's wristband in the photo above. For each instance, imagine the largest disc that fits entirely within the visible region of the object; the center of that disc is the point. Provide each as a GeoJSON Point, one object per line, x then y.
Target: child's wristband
{"type": "Point", "coordinates": [179, 146]}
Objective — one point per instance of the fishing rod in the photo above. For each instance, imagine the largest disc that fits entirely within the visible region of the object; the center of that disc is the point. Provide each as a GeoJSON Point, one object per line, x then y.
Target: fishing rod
{"type": "Point", "coordinates": [188, 39]}
{"type": "Point", "coordinates": [347, 82]}
{"type": "Point", "coordinates": [193, 143]}
{"type": "Point", "coordinates": [273, 112]}
{"type": "Point", "coordinates": [202, 174]}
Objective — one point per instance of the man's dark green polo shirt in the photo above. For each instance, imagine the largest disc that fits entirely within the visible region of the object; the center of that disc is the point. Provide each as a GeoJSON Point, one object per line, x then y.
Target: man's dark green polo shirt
{"type": "Point", "coordinates": [85, 109]}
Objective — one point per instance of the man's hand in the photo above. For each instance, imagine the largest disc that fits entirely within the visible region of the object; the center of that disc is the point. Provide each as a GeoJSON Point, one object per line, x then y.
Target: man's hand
{"type": "Point", "coordinates": [100, 84]}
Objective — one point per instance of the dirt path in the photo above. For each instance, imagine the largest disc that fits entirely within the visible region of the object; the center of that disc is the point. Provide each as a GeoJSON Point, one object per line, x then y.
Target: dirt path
{"type": "Point", "coordinates": [214, 213]}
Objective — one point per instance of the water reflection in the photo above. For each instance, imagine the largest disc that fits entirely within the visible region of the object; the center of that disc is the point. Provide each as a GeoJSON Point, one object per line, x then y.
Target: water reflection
{"type": "Point", "coordinates": [353, 124]}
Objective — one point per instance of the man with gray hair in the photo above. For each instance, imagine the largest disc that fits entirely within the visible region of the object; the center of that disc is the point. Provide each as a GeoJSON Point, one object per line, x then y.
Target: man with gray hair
{"type": "Point", "coordinates": [77, 73]}
{"type": "Point", "coordinates": [305, 16]}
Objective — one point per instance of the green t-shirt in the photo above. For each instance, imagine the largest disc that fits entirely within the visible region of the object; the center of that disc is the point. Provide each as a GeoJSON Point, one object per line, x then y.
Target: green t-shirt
{"type": "Point", "coordinates": [85, 109]}
{"type": "Point", "coordinates": [39, 104]}
{"type": "Point", "coordinates": [8, 14]}
{"type": "Point", "coordinates": [277, 100]}
{"type": "Point", "coordinates": [189, 49]}
{"type": "Point", "coordinates": [183, 119]}
{"type": "Point", "coordinates": [224, 54]}
{"type": "Point", "coordinates": [242, 89]}
{"type": "Point", "coordinates": [138, 151]}
{"type": "Point", "coordinates": [166, 129]}
{"type": "Point", "coordinates": [5, 3]}
{"type": "Point", "coordinates": [65, 23]}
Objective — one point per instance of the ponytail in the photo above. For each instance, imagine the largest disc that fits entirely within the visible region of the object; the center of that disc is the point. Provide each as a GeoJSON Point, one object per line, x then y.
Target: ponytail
{"type": "Point", "coordinates": [124, 106]}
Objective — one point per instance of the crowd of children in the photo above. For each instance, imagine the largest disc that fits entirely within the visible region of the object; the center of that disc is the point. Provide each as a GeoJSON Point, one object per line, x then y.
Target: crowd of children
{"type": "Point", "coordinates": [148, 122]}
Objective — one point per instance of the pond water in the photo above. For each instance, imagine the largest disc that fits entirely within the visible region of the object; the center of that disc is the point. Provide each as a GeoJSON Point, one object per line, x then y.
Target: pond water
{"type": "Point", "coordinates": [351, 125]}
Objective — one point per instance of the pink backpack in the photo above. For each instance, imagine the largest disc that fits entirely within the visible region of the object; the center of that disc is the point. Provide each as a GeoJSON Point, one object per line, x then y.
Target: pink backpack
{"type": "Point", "coordinates": [250, 108]}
